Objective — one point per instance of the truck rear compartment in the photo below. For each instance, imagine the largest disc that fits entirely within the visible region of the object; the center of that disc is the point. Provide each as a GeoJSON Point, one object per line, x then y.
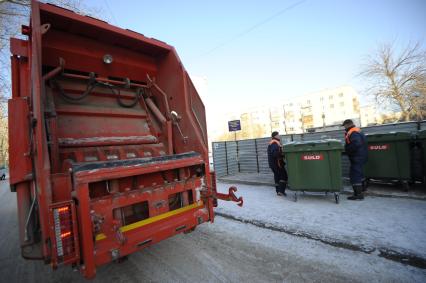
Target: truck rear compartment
{"type": "Point", "coordinates": [109, 141]}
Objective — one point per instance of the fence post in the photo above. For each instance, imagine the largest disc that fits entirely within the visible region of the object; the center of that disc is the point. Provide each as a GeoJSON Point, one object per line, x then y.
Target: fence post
{"type": "Point", "coordinates": [238, 157]}
{"type": "Point", "coordinates": [226, 159]}
{"type": "Point", "coordinates": [257, 155]}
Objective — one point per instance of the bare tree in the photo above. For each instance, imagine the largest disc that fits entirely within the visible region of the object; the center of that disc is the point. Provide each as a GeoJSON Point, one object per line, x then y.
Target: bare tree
{"type": "Point", "coordinates": [398, 79]}
{"type": "Point", "coordinates": [4, 143]}
{"type": "Point", "coordinates": [14, 13]}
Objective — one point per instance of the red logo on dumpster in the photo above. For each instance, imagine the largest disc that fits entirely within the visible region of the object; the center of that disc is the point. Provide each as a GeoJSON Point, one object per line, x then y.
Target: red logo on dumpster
{"type": "Point", "coordinates": [379, 147]}
{"type": "Point", "coordinates": [307, 157]}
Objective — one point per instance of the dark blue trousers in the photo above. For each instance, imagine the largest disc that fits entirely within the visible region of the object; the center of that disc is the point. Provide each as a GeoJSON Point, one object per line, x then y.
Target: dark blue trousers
{"type": "Point", "coordinates": [280, 179]}
{"type": "Point", "coordinates": [356, 173]}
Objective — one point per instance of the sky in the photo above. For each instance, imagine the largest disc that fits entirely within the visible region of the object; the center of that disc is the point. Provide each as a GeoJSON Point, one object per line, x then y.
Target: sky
{"type": "Point", "coordinates": [251, 53]}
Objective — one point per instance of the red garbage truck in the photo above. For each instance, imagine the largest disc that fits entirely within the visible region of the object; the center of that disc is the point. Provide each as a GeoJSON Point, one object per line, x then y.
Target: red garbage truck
{"type": "Point", "coordinates": [108, 142]}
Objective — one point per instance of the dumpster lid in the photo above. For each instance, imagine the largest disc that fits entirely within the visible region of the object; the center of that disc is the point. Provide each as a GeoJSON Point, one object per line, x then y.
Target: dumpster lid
{"type": "Point", "coordinates": [314, 145]}
{"type": "Point", "coordinates": [389, 137]}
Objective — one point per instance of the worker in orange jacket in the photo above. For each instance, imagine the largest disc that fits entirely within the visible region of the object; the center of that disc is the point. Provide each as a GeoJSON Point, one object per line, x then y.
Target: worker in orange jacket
{"type": "Point", "coordinates": [276, 163]}
{"type": "Point", "coordinates": [357, 151]}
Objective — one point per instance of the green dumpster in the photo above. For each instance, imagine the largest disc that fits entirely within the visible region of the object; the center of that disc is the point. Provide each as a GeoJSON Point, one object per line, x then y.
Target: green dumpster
{"type": "Point", "coordinates": [389, 157]}
{"type": "Point", "coordinates": [422, 138]}
{"type": "Point", "coordinates": [314, 166]}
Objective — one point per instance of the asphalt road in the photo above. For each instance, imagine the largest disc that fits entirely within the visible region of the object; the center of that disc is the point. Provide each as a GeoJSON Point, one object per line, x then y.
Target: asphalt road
{"type": "Point", "coordinates": [226, 251]}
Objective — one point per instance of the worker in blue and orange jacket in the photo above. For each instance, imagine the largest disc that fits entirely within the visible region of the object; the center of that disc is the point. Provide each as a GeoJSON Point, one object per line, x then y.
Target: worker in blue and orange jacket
{"type": "Point", "coordinates": [276, 163]}
{"type": "Point", "coordinates": [357, 151]}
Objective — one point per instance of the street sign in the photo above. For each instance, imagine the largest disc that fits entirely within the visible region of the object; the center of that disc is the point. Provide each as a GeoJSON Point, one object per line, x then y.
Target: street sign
{"type": "Point", "coordinates": [234, 125]}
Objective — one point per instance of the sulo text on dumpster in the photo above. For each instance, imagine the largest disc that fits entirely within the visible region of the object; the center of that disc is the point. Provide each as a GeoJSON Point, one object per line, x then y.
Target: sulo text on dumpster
{"type": "Point", "coordinates": [312, 157]}
{"type": "Point", "coordinates": [379, 147]}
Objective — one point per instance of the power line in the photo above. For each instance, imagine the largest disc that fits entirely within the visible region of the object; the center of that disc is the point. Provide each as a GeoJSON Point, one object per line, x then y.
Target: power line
{"type": "Point", "coordinates": [110, 11]}
{"type": "Point", "coordinates": [255, 26]}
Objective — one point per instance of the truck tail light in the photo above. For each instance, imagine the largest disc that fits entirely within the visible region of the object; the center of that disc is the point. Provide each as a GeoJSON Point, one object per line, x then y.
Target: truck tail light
{"type": "Point", "coordinates": [63, 233]}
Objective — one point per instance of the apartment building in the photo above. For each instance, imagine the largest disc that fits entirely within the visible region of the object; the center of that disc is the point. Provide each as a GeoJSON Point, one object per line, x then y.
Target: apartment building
{"type": "Point", "coordinates": [368, 115]}
{"type": "Point", "coordinates": [297, 115]}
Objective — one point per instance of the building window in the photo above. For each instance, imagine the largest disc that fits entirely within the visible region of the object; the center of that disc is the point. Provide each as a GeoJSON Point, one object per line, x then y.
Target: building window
{"type": "Point", "coordinates": [341, 94]}
{"type": "Point", "coordinates": [330, 97]}
{"type": "Point", "coordinates": [322, 98]}
{"type": "Point", "coordinates": [331, 105]}
{"type": "Point", "coordinates": [342, 104]}
{"type": "Point", "coordinates": [308, 102]}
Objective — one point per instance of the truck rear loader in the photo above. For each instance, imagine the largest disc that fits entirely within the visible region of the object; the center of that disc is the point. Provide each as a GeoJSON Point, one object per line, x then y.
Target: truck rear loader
{"type": "Point", "coordinates": [108, 142]}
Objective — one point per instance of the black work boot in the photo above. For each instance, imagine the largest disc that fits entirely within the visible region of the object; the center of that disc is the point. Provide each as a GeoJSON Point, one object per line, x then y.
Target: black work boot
{"type": "Point", "coordinates": [357, 193]}
{"type": "Point", "coordinates": [360, 192]}
{"type": "Point", "coordinates": [283, 186]}
{"type": "Point", "coordinates": [354, 196]}
{"type": "Point", "coordinates": [364, 185]}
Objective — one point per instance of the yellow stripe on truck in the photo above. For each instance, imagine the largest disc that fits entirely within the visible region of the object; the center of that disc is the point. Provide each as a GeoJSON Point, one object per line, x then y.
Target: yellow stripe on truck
{"type": "Point", "coordinates": [145, 222]}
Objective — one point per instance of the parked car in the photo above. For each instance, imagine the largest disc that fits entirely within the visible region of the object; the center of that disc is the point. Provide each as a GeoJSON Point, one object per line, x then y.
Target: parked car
{"type": "Point", "coordinates": [2, 173]}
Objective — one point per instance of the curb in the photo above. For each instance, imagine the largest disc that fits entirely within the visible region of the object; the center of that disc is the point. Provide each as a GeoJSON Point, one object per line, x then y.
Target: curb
{"type": "Point", "coordinates": [404, 258]}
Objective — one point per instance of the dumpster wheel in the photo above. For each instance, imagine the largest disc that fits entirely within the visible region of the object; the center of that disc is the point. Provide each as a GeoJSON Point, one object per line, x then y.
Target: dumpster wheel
{"type": "Point", "coordinates": [295, 197]}
{"type": "Point", "coordinates": [337, 197]}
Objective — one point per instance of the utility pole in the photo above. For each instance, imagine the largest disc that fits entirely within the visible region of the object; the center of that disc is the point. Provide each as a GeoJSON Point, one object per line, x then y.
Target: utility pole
{"type": "Point", "coordinates": [302, 121]}
{"type": "Point", "coordinates": [323, 120]}
{"type": "Point", "coordinates": [284, 121]}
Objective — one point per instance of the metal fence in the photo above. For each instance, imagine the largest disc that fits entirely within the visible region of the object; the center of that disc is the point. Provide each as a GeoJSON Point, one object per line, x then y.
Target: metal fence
{"type": "Point", "coordinates": [250, 156]}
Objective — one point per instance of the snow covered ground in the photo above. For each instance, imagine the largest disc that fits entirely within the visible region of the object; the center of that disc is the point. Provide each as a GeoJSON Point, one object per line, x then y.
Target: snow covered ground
{"type": "Point", "coordinates": [374, 225]}
{"type": "Point", "coordinates": [303, 260]}
{"type": "Point", "coordinates": [225, 251]}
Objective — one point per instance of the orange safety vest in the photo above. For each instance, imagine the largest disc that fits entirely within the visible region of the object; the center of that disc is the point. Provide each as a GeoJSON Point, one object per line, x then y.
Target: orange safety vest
{"type": "Point", "coordinates": [275, 141]}
{"type": "Point", "coordinates": [349, 133]}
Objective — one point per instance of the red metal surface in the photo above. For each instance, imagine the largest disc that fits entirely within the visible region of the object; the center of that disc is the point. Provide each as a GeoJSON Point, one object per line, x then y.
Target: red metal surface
{"type": "Point", "coordinates": [23, 195]}
{"type": "Point", "coordinates": [20, 161]}
{"type": "Point", "coordinates": [39, 144]}
{"type": "Point", "coordinates": [100, 139]}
